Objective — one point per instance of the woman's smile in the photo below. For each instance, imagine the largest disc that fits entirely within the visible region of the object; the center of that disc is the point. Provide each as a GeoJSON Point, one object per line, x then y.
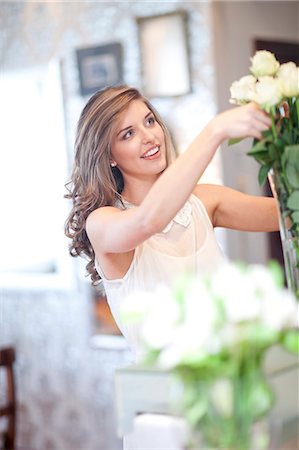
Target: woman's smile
{"type": "Point", "coordinates": [139, 138]}
{"type": "Point", "coordinates": [152, 153]}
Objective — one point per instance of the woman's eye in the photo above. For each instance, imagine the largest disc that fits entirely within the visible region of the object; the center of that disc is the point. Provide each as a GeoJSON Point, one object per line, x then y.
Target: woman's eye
{"type": "Point", "coordinates": [151, 120]}
{"type": "Point", "coordinates": [128, 134]}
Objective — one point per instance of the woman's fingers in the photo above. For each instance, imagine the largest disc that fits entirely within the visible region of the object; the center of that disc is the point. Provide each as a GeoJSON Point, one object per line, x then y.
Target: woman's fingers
{"type": "Point", "coordinates": [260, 114]}
{"type": "Point", "coordinates": [240, 122]}
{"type": "Point", "coordinates": [259, 125]}
{"type": "Point", "coordinates": [257, 135]}
{"type": "Point", "coordinates": [257, 120]}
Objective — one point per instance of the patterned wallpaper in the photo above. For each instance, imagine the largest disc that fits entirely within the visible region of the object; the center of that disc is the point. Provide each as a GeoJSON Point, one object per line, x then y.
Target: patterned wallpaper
{"type": "Point", "coordinates": [33, 33]}
{"type": "Point", "coordinates": [65, 387]}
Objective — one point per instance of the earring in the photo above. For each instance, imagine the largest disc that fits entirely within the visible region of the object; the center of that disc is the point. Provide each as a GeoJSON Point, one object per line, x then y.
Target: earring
{"type": "Point", "coordinates": [113, 164]}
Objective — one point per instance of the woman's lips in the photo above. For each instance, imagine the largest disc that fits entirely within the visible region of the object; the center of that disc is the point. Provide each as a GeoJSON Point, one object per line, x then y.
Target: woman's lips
{"type": "Point", "coordinates": [152, 153]}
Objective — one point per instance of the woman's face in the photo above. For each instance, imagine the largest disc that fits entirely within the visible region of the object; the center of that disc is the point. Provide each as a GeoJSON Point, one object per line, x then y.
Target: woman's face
{"type": "Point", "coordinates": [138, 144]}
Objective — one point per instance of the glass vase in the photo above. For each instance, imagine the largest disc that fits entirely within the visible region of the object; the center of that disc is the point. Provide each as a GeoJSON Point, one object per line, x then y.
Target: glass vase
{"type": "Point", "coordinates": [289, 234]}
{"type": "Point", "coordinates": [230, 412]}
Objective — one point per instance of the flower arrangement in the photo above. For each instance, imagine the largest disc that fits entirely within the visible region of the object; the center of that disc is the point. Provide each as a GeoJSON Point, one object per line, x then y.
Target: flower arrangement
{"type": "Point", "coordinates": [275, 87]}
{"type": "Point", "coordinates": [213, 333]}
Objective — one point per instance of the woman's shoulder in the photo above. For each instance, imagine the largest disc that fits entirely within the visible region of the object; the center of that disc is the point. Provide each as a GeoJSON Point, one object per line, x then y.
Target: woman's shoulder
{"type": "Point", "coordinates": [98, 216]}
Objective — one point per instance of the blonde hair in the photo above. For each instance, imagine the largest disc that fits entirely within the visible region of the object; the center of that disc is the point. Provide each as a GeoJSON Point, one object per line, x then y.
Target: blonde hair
{"type": "Point", "coordinates": [94, 183]}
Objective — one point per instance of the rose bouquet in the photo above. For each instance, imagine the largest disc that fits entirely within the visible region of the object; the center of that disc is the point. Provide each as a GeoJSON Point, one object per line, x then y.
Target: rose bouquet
{"type": "Point", "coordinates": [213, 333]}
{"type": "Point", "coordinates": [275, 87]}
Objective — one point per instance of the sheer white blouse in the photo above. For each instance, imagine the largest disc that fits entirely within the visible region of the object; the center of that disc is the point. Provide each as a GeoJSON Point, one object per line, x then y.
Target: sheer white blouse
{"type": "Point", "coordinates": [187, 244]}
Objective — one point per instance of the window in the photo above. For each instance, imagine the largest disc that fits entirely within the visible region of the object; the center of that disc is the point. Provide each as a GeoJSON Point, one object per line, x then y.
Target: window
{"type": "Point", "coordinates": [33, 171]}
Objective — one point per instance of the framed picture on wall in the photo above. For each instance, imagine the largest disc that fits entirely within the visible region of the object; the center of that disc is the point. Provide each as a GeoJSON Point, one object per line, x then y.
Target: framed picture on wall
{"type": "Point", "coordinates": [99, 67]}
{"type": "Point", "coordinates": [164, 50]}
{"type": "Point", "coordinates": [284, 50]}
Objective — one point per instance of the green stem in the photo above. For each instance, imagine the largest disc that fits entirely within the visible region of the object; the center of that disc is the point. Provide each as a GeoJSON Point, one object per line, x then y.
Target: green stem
{"type": "Point", "coordinates": [273, 128]}
{"type": "Point", "coordinates": [290, 119]}
{"type": "Point", "coordinates": [297, 109]}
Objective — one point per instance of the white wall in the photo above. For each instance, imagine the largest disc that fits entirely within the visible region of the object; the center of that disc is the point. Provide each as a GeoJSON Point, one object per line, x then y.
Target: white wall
{"type": "Point", "coordinates": [236, 24]}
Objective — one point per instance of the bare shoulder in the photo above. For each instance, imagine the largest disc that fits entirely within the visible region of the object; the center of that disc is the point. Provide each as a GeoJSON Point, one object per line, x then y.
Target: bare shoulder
{"type": "Point", "coordinates": [113, 230]}
{"type": "Point", "coordinates": [100, 229]}
{"type": "Point", "coordinates": [98, 217]}
{"type": "Point", "coordinates": [98, 224]}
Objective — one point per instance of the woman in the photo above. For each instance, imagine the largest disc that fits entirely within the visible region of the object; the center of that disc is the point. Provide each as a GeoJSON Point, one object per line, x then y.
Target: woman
{"type": "Point", "coordinates": [139, 216]}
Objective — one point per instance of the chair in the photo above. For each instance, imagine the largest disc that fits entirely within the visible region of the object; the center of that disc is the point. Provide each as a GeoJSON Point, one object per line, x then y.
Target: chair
{"type": "Point", "coordinates": [7, 359]}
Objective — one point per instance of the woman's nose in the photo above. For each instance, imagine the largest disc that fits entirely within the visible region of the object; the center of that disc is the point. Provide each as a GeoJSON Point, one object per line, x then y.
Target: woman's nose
{"type": "Point", "coordinates": [147, 135]}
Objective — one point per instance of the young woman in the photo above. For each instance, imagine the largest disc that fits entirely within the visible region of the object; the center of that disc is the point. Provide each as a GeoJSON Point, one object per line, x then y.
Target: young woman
{"type": "Point", "coordinates": [139, 215]}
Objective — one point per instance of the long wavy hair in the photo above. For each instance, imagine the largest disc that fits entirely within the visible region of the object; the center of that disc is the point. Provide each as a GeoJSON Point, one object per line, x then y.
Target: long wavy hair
{"type": "Point", "coordinates": [93, 182]}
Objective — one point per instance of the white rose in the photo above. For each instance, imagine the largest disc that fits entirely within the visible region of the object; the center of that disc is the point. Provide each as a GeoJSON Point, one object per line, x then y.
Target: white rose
{"type": "Point", "coordinates": [135, 306]}
{"type": "Point", "coordinates": [262, 279]}
{"type": "Point", "coordinates": [288, 75]}
{"type": "Point", "coordinates": [183, 344]}
{"type": "Point", "coordinates": [280, 310]}
{"type": "Point", "coordinates": [200, 311]}
{"type": "Point", "coordinates": [243, 91]}
{"type": "Point", "coordinates": [268, 92]}
{"type": "Point", "coordinates": [236, 291]}
{"type": "Point", "coordinates": [159, 325]}
{"type": "Point", "coordinates": [264, 63]}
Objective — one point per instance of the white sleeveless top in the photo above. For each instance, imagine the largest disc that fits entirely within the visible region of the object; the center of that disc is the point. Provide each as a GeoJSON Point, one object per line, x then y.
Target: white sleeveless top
{"type": "Point", "coordinates": [187, 244]}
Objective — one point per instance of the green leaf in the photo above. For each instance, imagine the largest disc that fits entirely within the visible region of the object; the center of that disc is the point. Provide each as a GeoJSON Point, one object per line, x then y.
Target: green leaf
{"type": "Point", "coordinates": [263, 158]}
{"type": "Point", "coordinates": [234, 141]}
{"type": "Point", "coordinates": [290, 341]}
{"type": "Point", "coordinates": [260, 398]}
{"type": "Point", "coordinates": [292, 152]}
{"type": "Point", "coordinates": [273, 151]}
{"type": "Point", "coordinates": [260, 146]}
{"type": "Point", "coordinates": [287, 135]}
{"type": "Point", "coordinates": [291, 161]}
{"type": "Point", "coordinates": [293, 201]}
{"type": "Point", "coordinates": [295, 217]}
{"type": "Point", "coordinates": [195, 413]}
{"type": "Point", "coordinates": [263, 173]}
{"type": "Point", "coordinates": [267, 135]}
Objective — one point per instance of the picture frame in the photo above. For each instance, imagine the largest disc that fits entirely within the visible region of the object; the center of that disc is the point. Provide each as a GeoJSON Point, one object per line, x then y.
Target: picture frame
{"type": "Point", "coordinates": [99, 67]}
{"type": "Point", "coordinates": [284, 50]}
{"type": "Point", "coordinates": [165, 55]}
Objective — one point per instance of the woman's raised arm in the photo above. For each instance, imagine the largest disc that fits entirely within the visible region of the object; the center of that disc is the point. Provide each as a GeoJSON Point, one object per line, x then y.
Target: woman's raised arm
{"type": "Point", "coordinates": [113, 231]}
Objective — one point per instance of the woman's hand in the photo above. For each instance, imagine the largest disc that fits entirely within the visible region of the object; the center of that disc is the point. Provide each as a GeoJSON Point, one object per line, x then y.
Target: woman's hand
{"type": "Point", "coordinates": [240, 122]}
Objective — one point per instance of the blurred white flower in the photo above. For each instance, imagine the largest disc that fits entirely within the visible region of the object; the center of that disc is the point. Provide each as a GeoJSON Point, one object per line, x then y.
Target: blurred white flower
{"type": "Point", "coordinates": [212, 332]}
{"type": "Point", "coordinates": [262, 280]}
{"type": "Point", "coordinates": [268, 92]}
{"type": "Point", "coordinates": [160, 322]}
{"type": "Point", "coordinates": [279, 310]}
{"type": "Point", "coordinates": [263, 63]}
{"type": "Point", "coordinates": [288, 75]}
{"type": "Point", "coordinates": [243, 90]}
{"type": "Point", "coordinates": [183, 345]}
{"type": "Point", "coordinates": [135, 306]}
{"type": "Point", "coordinates": [200, 312]}
{"type": "Point", "coordinates": [209, 315]}
{"type": "Point", "coordinates": [236, 291]}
